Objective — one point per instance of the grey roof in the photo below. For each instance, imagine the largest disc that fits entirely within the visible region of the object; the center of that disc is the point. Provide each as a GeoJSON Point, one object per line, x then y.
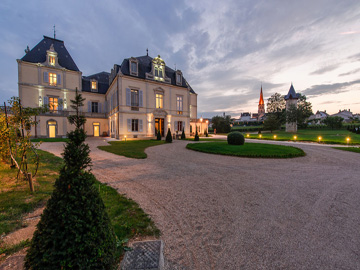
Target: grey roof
{"type": "Point", "coordinates": [292, 94]}
{"type": "Point", "coordinates": [144, 66]}
{"type": "Point", "coordinates": [38, 53]}
{"type": "Point", "coordinates": [102, 79]}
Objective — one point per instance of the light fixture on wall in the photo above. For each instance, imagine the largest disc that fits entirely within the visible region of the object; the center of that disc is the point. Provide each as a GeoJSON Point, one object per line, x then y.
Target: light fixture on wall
{"type": "Point", "coordinates": [40, 101]}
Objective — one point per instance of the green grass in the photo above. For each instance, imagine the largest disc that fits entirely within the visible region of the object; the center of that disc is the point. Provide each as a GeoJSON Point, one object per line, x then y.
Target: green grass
{"type": "Point", "coordinates": [204, 139]}
{"type": "Point", "coordinates": [327, 136]}
{"type": "Point", "coordinates": [252, 150]}
{"type": "Point", "coordinates": [49, 140]}
{"type": "Point", "coordinates": [130, 149]}
{"type": "Point", "coordinates": [127, 218]}
{"type": "Point", "coordinates": [350, 149]}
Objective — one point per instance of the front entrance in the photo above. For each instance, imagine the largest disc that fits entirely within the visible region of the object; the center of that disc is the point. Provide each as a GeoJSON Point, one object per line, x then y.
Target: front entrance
{"type": "Point", "coordinates": [159, 125]}
{"type": "Point", "coordinates": [52, 129]}
{"type": "Point", "coordinates": [96, 129]}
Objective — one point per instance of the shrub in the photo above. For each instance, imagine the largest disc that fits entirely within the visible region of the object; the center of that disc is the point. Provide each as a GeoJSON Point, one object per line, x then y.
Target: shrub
{"type": "Point", "coordinates": [196, 136]}
{"type": "Point", "coordinates": [168, 136]}
{"type": "Point", "coordinates": [158, 136]}
{"type": "Point", "coordinates": [183, 135]}
{"type": "Point", "coordinates": [75, 231]}
{"type": "Point", "coordinates": [235, 138]}
{"type": "Point", "coordinates": [206, 133]}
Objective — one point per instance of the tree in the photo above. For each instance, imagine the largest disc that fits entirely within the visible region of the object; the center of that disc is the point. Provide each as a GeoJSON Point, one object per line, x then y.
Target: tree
{"type": "Point", "coordinates": [276, 106]}
{"type": "Point", "coordinates": [196, 138]}
{"type": "Point", "coordinates": [300, 113]}
{"type": "Point", "coordinates": [158, 136]}
{"type": "Point", "coordinates": [168, 136]}
{"type": "Point", "coordinates": [271, 123]}
{"type": "Point", "coordinates": [75, 231]}
{"type": "Point", "coordinates": [183, 137]}
{"type": "Point", "coordinates": [333, 122]}
{"type": "Point", "coordinates": [221, 124]}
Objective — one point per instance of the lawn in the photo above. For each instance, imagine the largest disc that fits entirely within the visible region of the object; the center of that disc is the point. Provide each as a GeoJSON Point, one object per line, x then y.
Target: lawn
{"type": "Point", "coordinates": [130, 149]}
{"type": "Point", "coordinates": [127, 218]}
{"type": "Point", "coordinates": [350, 149]}
{"type": "Point", "coordinates": [49, 139]}
{"type": "Point", "coordinates": [327, 136]}
{"type": "Point", "coordinates": [252, 150]}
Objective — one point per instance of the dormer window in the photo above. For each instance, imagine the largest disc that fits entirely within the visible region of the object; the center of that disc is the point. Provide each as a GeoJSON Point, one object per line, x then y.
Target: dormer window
{"type": "Point", "coordinates": [178, 77]}
{"type": "Point", "coordinates": [159, 68]}
{"type": "Point", "coordinates": [52, 60]}
{"type": "Point", "coordinates": [94, 86]}
{"type": "Point", "coordinates": [133, 63]}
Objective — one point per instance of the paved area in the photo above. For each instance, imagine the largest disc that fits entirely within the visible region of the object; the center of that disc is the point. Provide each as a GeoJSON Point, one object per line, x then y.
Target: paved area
{"type": "Point", "coordinates": [219, 212]}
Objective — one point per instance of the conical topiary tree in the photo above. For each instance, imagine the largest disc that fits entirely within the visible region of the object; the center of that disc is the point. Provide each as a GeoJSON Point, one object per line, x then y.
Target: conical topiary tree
{"type": "Point", "coordinates": [196, 136]}
{"type": "Point", "coordinates": [158, 136]}
{"type": "Point", "coordinates": [74, 231]}
{"type": "Point", "coordinates": [183, 135]}
{"type": "Point", "coordinates": [168, 136]}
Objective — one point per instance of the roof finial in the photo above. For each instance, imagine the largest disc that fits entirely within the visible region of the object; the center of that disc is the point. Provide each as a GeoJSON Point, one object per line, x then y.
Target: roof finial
{"type": "Point", "coordinates": [147, 52]}
{"type": "Point", "coordinates": [54, 32]}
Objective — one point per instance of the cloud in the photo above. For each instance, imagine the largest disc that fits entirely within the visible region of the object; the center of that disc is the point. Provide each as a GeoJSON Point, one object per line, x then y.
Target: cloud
{"type": "Point", "coordinates": [335, 88]}
{"type": "Point", "coordinates": [324, 69]}
{"type": "Point", "coordinates": [350, 72]}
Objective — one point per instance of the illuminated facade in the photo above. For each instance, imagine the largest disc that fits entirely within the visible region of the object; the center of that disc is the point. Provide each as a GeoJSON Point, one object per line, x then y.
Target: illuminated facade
{"type": "Point", "coordinates": [135, 100]}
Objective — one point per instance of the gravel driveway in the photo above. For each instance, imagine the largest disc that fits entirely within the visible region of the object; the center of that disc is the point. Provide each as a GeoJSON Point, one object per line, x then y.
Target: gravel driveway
{"type": "Point", "coordinates": [220, 212]}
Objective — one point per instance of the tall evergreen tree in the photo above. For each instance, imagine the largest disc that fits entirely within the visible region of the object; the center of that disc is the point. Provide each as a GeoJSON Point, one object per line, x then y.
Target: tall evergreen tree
{"type": "Point", "coordinates": [74, 231]}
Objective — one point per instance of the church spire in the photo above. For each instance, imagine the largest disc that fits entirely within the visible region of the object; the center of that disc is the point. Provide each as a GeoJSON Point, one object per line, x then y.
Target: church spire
{"type": "Point", "coordinates": [261, 101]}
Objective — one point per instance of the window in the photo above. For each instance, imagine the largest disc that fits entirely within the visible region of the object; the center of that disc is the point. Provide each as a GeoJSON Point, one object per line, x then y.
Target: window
{"type": "Point", "coordinates": [179, 104]}
{"type": "Point", "coordinates": [52, 78]}
{"type": "Point", "coordinates": [159, 74]}
{"type": "Point", "coordinates": [134, 125]}
{"type": "Point", "coordinates": [133, 67]}
{"type": "Point", "coordinates": [159, 101]}
{"type": "Point", "coordinates": [93, 86]}
{"type": "Point", "coordinates": [134, 99]}
{"type": "Point", "coordinates": [179, 125]}
{"type": "Point", "coordinates": [94, 107]}
{"type": "Point", "coordinates": [156, 72]}
{"type": "Point", "coordinates": [53, 103]}
{"type": "Point", "coordinates": [52, 60]}
{"type": "Point", "coordinates": [178, 78]}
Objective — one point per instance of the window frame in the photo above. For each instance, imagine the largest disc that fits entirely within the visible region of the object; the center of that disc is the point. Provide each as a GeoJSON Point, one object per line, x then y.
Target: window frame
{"type": "Point", "coordinates": [52, 107]}
{"type": "Point", "coordinates": [92, 82]}
{"type": "Point", "coordinates": [135, 125]}
{"type": "Point", "coordinates": [95, 105]}
{"type": "Point", "coordinates": [52, 60]}
{"type": "Point", "coordinates": [179, 104]}
{"type": "Point", "coordinates": [159, 101]}
{"type": "Point", "coordinates": [134, 99]}
{"type": "Point", "coordinates": [133, 61]}
{"type": "Point", "coordinates": [52, 78]}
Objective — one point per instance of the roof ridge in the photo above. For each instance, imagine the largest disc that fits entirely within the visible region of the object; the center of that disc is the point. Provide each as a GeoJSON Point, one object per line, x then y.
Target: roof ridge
{"type": "Point", "coordinates": [53, 39]}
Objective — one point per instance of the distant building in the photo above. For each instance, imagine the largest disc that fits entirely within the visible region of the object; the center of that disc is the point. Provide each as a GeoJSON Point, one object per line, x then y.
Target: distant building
{"type": "Point", "coordinates": [259, 116]}
{"type": "Point", "coordinates": [291, 100]}
{"type": "Point", "coordinates": [261, 106]}
{"type": "Point", "coordinates": [347, 115]}
{"type": "Point", "coordinates": [318, 117]}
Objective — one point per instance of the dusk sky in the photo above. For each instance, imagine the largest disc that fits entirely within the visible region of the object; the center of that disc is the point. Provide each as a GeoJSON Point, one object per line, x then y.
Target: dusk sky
{"type": "Point", "coordinates": [225, 49]}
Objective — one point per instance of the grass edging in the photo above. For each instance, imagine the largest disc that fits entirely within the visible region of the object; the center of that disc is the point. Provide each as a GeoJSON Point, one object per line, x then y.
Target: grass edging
{"type": "Point", "coordinates": [130, 149]}
{"type": "Point", "coordinates": [349, 149]}
{"type": "Point", "coordinates": [248, 150]}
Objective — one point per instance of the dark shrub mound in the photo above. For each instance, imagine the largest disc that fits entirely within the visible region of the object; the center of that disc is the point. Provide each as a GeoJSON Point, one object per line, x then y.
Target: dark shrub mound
{"type": "Point", "coordinates": [168, 136]}
{"type": "Point", "coordinates": [183, 135]}
{"type": "Point", "coordinates": [196, 136]}
{"type": "Point", "coordinates": [158, 135]}
{"type": "Point", "coordinates": [235, 138]}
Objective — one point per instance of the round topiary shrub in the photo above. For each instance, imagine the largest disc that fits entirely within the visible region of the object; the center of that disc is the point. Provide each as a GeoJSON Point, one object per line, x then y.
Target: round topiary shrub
{"type": "Point", "coordinates": [235, 138]}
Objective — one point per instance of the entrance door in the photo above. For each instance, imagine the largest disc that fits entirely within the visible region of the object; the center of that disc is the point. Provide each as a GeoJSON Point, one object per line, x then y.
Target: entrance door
{"type": "Point", "coordinates": [52, 131]}
{"type": "Point", "coordinates": [159, 125]}
{"type": "Point", "coordinates": [96, 130]}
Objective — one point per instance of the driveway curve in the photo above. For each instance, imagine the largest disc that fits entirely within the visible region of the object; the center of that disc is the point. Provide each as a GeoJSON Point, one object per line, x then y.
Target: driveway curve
{"type": "Point", "coordinates": [221, 212]}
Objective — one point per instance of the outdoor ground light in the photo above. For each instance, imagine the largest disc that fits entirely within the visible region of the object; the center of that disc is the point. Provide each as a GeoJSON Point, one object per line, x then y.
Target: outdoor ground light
{"type": "Point", "coordinates": [319, 138]}
{"type": "Point", "coordinates": [348, 140]}
{"type": "Point", "coordinates": [295, 137]}
{"type": "Point", "coordinates": [260, 136]}
{"type": "Point", "coordinates": [125, 138]}
{"type": "Point", "coordinates": [248, 135]}
{"type": "Point", "coordinates": [274, 137]}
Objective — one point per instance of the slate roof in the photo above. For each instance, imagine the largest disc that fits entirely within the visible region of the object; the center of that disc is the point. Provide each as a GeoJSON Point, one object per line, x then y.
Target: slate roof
{"type": "Point", "coordinates": [102, 79]}
{"type": "Point", "coordinates": [38, 53]}
{"type": "Point", "coordinates": [292, 94]}
{"type": "Point", "coordinates": [144, 66]}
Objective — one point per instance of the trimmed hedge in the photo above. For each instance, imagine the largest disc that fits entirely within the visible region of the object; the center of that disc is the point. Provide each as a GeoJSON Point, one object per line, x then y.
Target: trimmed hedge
{"type": "Point", "coordinates": [235, 138]}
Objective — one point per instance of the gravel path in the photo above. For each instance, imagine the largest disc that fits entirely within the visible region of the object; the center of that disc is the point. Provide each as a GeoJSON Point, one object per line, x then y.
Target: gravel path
{"type": "Point", "coordinates": [219, 212]}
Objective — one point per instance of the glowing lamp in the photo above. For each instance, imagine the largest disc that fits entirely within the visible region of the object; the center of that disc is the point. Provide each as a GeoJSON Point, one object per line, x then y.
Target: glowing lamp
{"type": "Point", "coordinates": [274, 137]}
{"type": "Point", "coordinates": [260, 136]}
{"type": "Point", "coordinates": [295, 137]}
{"type": "Point", "coordinates": [319, 138]}
{"type": "Point", "coordinates": [247, 135]}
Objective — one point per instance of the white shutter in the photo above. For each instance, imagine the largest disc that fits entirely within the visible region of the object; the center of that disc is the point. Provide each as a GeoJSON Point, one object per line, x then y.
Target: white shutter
{"type": "Point", "coordinates": [140, 98]}
{"type": "Point", "coordinates": [46, 100]}
{"type": "Point", "coordinates": [129, 125]}
{"type": "Point", "coordinates": [140, 125]}
{"type": "Point", "coordinates": [89, 106]}
{"type": "Point", "coordinates": [99, 107]}
{"type": "Point", "coordinates": [60, 106]}
{"type": "Point", "coordinates": [128, 97]}
{"type": "Point", "coordinates": [46, 77]}
{"type": "Point", "coordinates": [58, 79]}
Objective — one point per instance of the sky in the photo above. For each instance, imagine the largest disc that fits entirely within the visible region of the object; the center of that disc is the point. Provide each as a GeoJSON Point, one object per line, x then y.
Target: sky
{"type": "Point", "coordinates": [226, 49]}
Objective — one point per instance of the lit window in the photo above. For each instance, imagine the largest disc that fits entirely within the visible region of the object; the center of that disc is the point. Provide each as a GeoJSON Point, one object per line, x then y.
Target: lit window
{"type": "Point", "coordinates": [179, 104]}
{"type": "Point", "coordinates": [52, 60]}
{"type": "Point", "coordinates": [156, 72]}
{"type": "Point", "coordinates": [134, 125]}
{"type": "Point", "coordinates": [52, 78]}
{"type": "Point", "coordinates": [93, 86]}
{"type": "Point", "coordinates": [159, 101]}
{"type": "Point", "coordinates": [159, 74]}
{"type": "Point", "coordinates": [53, 104]}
